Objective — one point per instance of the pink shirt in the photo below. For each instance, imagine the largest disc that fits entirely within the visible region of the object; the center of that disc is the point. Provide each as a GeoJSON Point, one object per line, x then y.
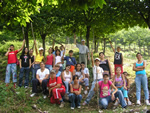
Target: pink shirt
{"type": "Point", "coordinates": [104, 88]}
{"type": "Point", "coordinates": [49, 59]}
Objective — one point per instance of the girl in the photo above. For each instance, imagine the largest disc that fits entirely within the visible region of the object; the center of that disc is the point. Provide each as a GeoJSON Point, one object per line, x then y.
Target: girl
{"type": "Point", "coordinates": [78, 71]}
{"type": "Point", "coordinates": [105, 96]}
{"type": "Point", "coordinates": [25, 64]}
{"type": "Point", "coordinates": [128, 86]}
{"type": "Point", "coordinates": [120, 83]}
{"type": "Point", "coordinates": [67, 78]}
{"type": "Point", "coordinates": [50, 60]}
{"type": "Point", "coordinates": [75, 95]}
{"type": "Point", "coordinates": [39, 57]}
{"type": "Point", "coordinates": [58, 59]}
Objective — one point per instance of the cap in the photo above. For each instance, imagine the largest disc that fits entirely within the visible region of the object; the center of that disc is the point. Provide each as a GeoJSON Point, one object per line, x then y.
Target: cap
{"type": "Point", "coordinates": [41, 49]}
{"type": "Point", "coordinates": [97, 59]}
{"type": "Point", "coordinates": [57, 65]}
{"type": "Point", "coordinates": [52, 71]}
{"type": "Point", "coordinates": [82, 40]}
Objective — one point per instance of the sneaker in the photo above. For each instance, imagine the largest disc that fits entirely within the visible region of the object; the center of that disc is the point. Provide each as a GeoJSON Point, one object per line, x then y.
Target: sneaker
{"type": "Point", "coordinates": [79, 107]}
{"type": "Point", "coordinates": [15, 85]}
{"type": "Point", "coordinates": [129, 103]}
{"type": "Point", "coordinates": [138, 102]}
{"type": "Point", "coordinates": [44, 96]}
{"type": "Point", "coordinates": [66, 97]}
{"type": "Point", "coordinates": [85, 92]}
{"type": "Point", "coordinates": [72, 108]}
{"type": "Point", "coordinates": [32, 95]}
{"type": "Point", "coordinates": [84, 103]}
{"type": "Point", "coordinates": [62, 104]}
{"type": "Point", "coordinates": [147, 102]}
{"type": "Point", "coordinates": [26, 87]}
{"type": "Point", "coordinates": [116, 103]}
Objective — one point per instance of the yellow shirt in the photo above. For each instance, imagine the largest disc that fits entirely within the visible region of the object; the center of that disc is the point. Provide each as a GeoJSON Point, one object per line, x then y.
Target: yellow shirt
{"type": "Point", "coordinates": [39, 58]}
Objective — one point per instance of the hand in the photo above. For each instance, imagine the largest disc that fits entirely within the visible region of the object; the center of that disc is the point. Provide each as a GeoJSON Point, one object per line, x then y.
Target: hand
{"type": "Point", "coordinates": [125, 87]}
{"type": "Point", "coordinates": [80, 80]}
{"type": "Point", "coordinates": [34, 41]}
{"type": "Point", "coordinates": [29, 67]}
{"type": "Point", "coordinates": [20, 67]}
{"type": "Point", "coordinates": [112, 97]}
{"type": "Point", "coordinates": [24, 40]}
{"type": "Point", "coordinates": [9, 49]}
{"type": "Point", "coordinates": [54, 67]}
{"type": "Point", "coordinates": [40, 81]}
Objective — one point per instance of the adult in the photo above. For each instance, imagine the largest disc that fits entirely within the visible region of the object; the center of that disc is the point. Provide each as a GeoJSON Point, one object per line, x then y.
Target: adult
{"type": "Point", "coordinates": [118, 58]}
{"type": "Point", "coordinates": [42, 76]}
{"type": "Point", "coordinates": [11, 65]}
{"type": "Point", "coordinates": [56, 89]}
{"type": "Point", "coordinates": [83, 51]}
{"type": "Point", "coordinates": [141, 78]}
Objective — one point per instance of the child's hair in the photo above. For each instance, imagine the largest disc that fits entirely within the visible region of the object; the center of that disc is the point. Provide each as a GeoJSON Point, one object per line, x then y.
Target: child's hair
{"type": "Point", "coordinates": [42, 63]}
{"type": "Point", "coordinates": [67, 65]}
{"type": "Point", "coordinates": [30, 49]}
{"type": "Point", "coordinates": [11, 45]}
{"type": "Point", "coordinates": [71, 51]}
{"type": "Point", "coordinates": [138, 54]}
{"type": "Point", "coordinates": [75, 77]}
{"type": "Point", "coordinates": [23, 51]}
{"type": "Point", "coordinates": [118, 68]}
{"type": "Point", "coordinates": [83, 63]}
{"type": "Point", "coordinates": [118, 47]}
{"type": "Point", "coordinates": [77, 65]}
{"type": "Point", "coordinates": [56, 52]}
{"type": "Point", "coordinates": [101, 53]}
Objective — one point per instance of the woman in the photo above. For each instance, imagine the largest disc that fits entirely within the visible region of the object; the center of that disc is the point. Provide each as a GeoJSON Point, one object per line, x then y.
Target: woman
{"type": "Point", "coordinates": [25, 64]}
{"type": "Point", "coordinates": [58, 59]}
{"type": "Point", "coordinates": [67, 78]}
{"type": "Point", "coordinates": [75, 95]}
{"type": "Point", "coordinates": [39, 57]}
{"type": "Point", "coordinates": [105, 96]}
{"type": "Point", "coordinates": [50, 60]}
{"type": "Point", "coordinates": [105, 64]}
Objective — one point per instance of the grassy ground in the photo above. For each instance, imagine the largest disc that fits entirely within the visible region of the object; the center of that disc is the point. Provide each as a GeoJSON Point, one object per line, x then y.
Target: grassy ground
{"type": "Point", "coordinates": [12, 101]}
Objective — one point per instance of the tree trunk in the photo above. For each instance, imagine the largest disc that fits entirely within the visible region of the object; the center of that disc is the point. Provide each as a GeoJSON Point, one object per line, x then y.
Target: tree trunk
{"type": "Point", "coordinates": [95, 46]}
{"type": "Point", "coordinates": [115, 45]}
{"type": "Point", "coordinates": [43, 42]}
{"type": "Point", "coordinates": [87, 35]}
{"type": "Point", "coordinates": [124, 47]}
{"type": "Point", "coordinates": [104, 45]}
{"type": "Point", "coordinates": [26, 36]}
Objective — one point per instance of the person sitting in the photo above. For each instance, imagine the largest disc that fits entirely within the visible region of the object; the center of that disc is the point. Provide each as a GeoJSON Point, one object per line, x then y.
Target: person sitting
{"type": "Point", "coordinates": [58, 73]}
{"type": "Point", "coordinates": [56, 89]}
{"type": "Point", "coordinates": [75, 95]}
{"type": "Point", "coordinates": [42, 76]}
{"type": "Point", "coordinates": [105, 96]}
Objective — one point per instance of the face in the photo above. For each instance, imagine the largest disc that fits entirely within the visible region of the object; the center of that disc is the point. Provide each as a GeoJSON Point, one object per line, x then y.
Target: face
{"type": "Point", "coordinates": [52, 75]}
{"type": "Point", "coordinates": [83, 66]}
{"type": "Point", "coordinates": [125, 74]}
{"type": "Point", "coordinates": [42, 65]}
{"type": "Point", "coordinates": [118, 49]}
{"type": "Point", "coordinates": [58, 53]}
{"type": "Point", "coordinates": [26, 50]}
{"type": "Point", "coordinates": [56, 47]}
{"type": "Point", "coordinates": [41, 51]}
{"type": "Point", "coordinates": [11, 48]}
{"type": "Point", "coordinates": [97, 62]}
{"type": "Point", "coordinates": [118, 71]}
{"type": "Point", "coordinates": [78, 67]}
{"type": "Point", "coordinates": [101, 56]}
{"type": "Point", "coordinates": [70, 54]}
{"type": "Point", "coordinates": [83, 42]}
{"type": "Point", "coordinates": [31, 52]}
{"type": "Point", "coordinates": [76, 80]}
{"type": "Point", "coordinates": [68, 68]}
{"type": "Point", "coordinates": [57, 68]}
{"type": "Point", "coordinates": [106, 78]}
{"type": "Point", "coordinates": [139, 57]}
{"type": "Point", "coordinates": [50, 50]}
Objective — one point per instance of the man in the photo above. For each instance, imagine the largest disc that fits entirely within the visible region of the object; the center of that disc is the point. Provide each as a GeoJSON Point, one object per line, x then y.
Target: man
{"type": "Point", "coordinates": [11, 66]}
{"type": "Point", "coordinates": [83, 51]}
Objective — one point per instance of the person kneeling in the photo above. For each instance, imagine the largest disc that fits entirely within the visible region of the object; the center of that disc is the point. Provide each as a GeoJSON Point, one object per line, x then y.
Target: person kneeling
{"type": "Point", "coordinates": [105, 96]}
{"type": "Point", "coordinates": [42, 76]}
{"type": "Point", "coordinates": [56, 89]}
{"type": "Point", "coordinates": [75, 95]}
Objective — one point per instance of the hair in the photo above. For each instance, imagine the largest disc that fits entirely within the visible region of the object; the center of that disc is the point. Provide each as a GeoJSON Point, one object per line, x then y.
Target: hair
{"type": "Point", "coordinates": [83, 63]}
{"type": "Point", "coordinates": [101, 53]}
{"type": "Point", "coordinates": [49, 49]}
{"type": "Point", "coordinates": [138, 54]}
{"type": "Point", "coordinates": [118, 67]}
{"type": "Point", "coordinates": [124, 72]}
{"type": "Point", "coordinates": [56, 47]}
{"type": "Point", "coordinates": [30, 49]}
{"type": "Point", "coordinates": [23, 51]}
{"type": "Point", "coordinates": [106, 75]}
{"type": "Point", "coordinates": [77, 65]}
{"type": "Point", "coordinates": [67, 65]}
{"type": "Point", "coordinates": [71, 51]}
{"type": "Point", "coordinates": [118, 47]}
{"type": "Point", "coordinates": [11, 45]}
{"type": "Point", "coordinates": [75, 77]}
{"type": "Point", "coordinates": [56, 52]}
{"type": "Point", "coordinates": [42, 63]}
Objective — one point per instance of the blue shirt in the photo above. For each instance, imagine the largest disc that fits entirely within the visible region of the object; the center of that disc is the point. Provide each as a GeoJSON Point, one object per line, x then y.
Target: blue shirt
{"type": "Point", "coordinates": [143, 72]}
{"type": "Point", "coordinates": [70, 60]}
{"type": "Point", "coordinates": [58, 74]}
{"type": "Point", "coordinates": [54, 53]}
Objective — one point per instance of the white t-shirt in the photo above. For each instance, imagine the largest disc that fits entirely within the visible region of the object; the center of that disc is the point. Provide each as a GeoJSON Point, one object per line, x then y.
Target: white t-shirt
{"type": "Point", "coordinates": [99, 71]}
{"type": "Point", "coordinates": [86, 71]}
{"type": "Point", "coordinates": [43, 74]}
{"type": "Point", "coordinates": [58, 59]}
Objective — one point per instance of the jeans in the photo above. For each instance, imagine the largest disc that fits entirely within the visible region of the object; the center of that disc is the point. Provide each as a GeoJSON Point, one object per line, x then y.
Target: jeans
{"type": "Point", "coordinates": [49, 67]}
{"type": "Point", "coordinates": [11, 68]}
{"type": "Point", "coordinates": [125, 92]}
{"type": "Point", "coordinates": [61, 69]}
{"type": "Point", "coordinates": [36, 83]}
{"type": "Point", "coordinates": [33, 73]}
{"type": "Point", "coordinates": [36, 67]}
{"type": "Point", "coordinates": [91, 92]}
{"type": "Point", "coordinates": [67, 86]}
{"type": "Point", "coordinates": [141, 79]}
{"type": "Point", "coordinates": [23, 70]}
{"type": "Point", "coordinates": [75, 99]}
{"type": "Point", "coordinates": [106, 100]}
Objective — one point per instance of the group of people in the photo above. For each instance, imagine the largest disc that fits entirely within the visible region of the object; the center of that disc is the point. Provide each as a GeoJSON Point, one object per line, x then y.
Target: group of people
{"type": "Point", "coordinates": [62, 78]}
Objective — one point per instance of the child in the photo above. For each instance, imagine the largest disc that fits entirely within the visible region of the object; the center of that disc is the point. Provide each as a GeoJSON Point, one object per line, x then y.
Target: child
{"type": "Point", "coordinates": [58, 73]}
{"type": "Point", "coordinates": [141, 78]}
{"type": "Point", "coordinates": [86, 72]}
{"type": "Point", "coordinates": [58, 59]}
{"type": "Point", "coordinates": [12, 66]}
{"type": "Point", "coordinates": [128, 86]}
{"type": "Point", "coordinates": [50, 60]}
{"type": "Point", "coordinates": [25, 64]}
{"type": "Point", "coordinates": [118, 58]}
{"type": "Point", "coordinates": [75, 95]}
{"type": "Point", "coordinates": [120, 83]}
{"type": "Point", "coordinates": [97, 76]}
{"type": "Point", "coordinates": [70, 60]}
{"type": "Point", "coordinates": [105, 96]}
{"type": "Point", "coordinates": [67, 78]}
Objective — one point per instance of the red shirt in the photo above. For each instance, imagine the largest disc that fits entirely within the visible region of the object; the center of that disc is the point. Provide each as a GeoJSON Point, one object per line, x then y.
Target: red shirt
{"type": "Point", "coordinates": [12, 58]}
{"type": "Point", "coordinates": [49, 59]}
{"type": "Point", "coordinates": [53, 82]}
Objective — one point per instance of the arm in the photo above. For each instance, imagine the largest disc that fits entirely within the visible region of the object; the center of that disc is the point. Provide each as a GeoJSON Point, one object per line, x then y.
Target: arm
{"type": "Point", "coordinates": [63, 76]}
{"type": "Point", "coordinates": [46, 77]}
{"type": "Point", "coordinates": [75, 39]}
{"type": "Point", "coordinates": [114, 87]}
{"type": "Point", "coordinates": [136, 69]}
{"type": "Point", "coordinates": [96, 87]}
{"type": "Point", "coordinates": [124, 82]}
{"type": "Point", "coordinates": [36, 51]}
{"type": "Point", "coordinates": [53, 44]}
{"type": "Point", "coordinates": [112, 46]}
{"type": "Point", "coordinates": [79, 92]}
{"type": "Point", "coordinates": [88, 56]}
{"type": "Point", "coordinates": [128, 83]}
{"type": "Point", "coordinates": [142, 67]}
{"type": "Point", "coordinates": [7, 52]}
{"type": "Point", "coordinates": [71, 78]}
{"type": "Point", "coordinates": [29, 63]}
{"type": "Point", "coordinates": [20, 63]}
{"type": "Point", "coordinates": [122, 59]}
{"type": "Point", "coordinates": [53, 61]}
{"type": "Point", "coordinates": [44, 59]}
{"type": "Point", "coordinates": [71, 89]}
{"type": "Point", "coordinates": [92, 60]}
{"type": "Point", "coordinates": [57, 86]}
{"type": "Point", "coordinates": [33, 61]}
{"type": "Point", "coordinates": [21, 46]}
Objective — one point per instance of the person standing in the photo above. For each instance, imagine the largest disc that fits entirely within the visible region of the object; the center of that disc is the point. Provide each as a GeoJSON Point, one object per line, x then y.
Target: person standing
{"type": "Point", "coordinates": [11, 66]}
{"type": "Point", "coordinates": [83, 51]}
